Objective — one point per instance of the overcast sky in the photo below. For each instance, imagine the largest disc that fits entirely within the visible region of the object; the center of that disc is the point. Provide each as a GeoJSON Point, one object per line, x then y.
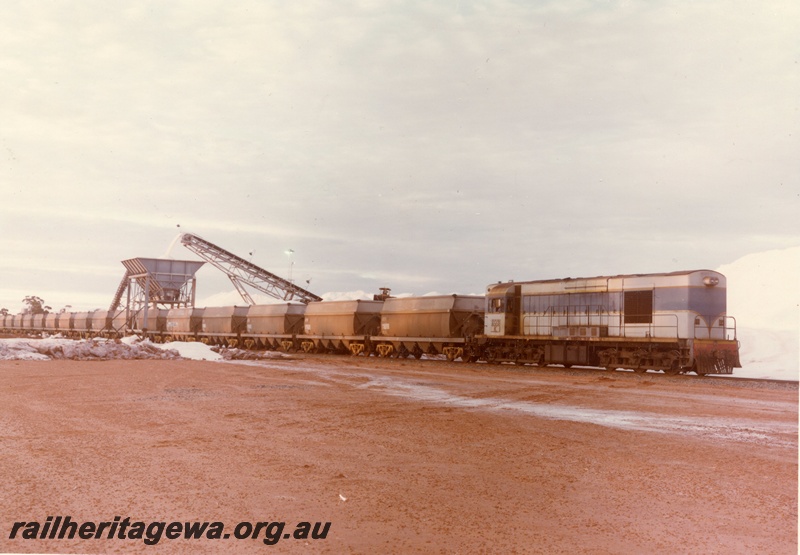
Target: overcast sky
{"type": "Point", "coordinates": [424, 146]}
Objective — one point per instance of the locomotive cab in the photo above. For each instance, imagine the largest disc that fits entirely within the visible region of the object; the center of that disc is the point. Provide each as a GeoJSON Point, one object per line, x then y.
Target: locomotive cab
{"type": "Point", "coordinates": [503, 307]}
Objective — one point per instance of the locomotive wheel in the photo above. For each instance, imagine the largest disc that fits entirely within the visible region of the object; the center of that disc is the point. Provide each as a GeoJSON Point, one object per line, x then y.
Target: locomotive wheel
{"type": "Point", "coordinates": [674, 369]}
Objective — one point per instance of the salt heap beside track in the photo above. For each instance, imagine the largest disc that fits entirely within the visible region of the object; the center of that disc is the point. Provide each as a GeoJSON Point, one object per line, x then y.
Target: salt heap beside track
{"type": "Point", "coordinates": [58, 348]}
{"type": "Point", "coordinates": [128, 348]}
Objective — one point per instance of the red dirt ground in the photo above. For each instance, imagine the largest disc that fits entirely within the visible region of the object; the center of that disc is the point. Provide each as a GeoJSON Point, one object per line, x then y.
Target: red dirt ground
{"type": "Point", "coordinates": [400, 456]}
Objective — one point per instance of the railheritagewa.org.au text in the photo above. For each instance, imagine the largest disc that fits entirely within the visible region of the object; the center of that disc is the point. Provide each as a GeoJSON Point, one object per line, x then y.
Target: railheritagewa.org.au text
{"type": "Point", "coordinates": [65, 528]}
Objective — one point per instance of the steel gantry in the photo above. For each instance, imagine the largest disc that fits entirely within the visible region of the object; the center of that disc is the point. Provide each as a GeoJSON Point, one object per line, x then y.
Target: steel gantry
{"type": "Point", "coordinates": [241, 272]}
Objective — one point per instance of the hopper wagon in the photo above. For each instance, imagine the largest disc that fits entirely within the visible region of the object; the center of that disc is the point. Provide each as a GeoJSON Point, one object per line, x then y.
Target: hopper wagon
{"type": "Point", "coordinates": [223, 325]}
{"type": "Point", "coordinates": [183, 324]}
{"type": "Point", "coordinates": [340, 326]}
{"type": "Point", "coordinates": [274, 326]}
{"type": "Point", "coordinates": [434, 325]}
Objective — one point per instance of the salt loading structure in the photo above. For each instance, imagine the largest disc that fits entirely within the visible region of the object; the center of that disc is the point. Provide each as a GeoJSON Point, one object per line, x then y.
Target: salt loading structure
{"type": "Point", "coordinates": [154, 284]}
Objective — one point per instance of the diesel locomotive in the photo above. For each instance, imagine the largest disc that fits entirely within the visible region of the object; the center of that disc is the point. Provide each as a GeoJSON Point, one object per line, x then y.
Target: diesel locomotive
{"type": "Point", "coordinates": [675, 322]}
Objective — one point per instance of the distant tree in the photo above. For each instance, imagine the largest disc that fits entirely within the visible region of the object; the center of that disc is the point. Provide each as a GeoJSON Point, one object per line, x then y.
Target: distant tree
{"type": "Point", "coordinates": [35, 305]}
{"type": "Point", "coordinates": [3, 312]}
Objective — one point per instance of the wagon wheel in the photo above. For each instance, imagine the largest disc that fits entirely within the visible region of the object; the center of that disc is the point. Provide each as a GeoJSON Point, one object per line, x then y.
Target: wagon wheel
{"type": "Point", "coordinates": [640, 369]}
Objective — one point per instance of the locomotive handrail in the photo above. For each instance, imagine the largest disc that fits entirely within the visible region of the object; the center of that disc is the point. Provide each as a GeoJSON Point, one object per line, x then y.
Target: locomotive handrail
{"type": "Point", "coordinates": [545, 324]}
{"type": "Point", "coordinates": [653, 329]}
{"type": "Point", "coordinates": [601, 314]}
{"type": "Point", "coordinates": [726, 329]}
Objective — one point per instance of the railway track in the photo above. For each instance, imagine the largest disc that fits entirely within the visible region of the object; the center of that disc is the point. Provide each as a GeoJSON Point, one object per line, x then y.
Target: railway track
{"type": "Point", "coordinates": [441, 363]}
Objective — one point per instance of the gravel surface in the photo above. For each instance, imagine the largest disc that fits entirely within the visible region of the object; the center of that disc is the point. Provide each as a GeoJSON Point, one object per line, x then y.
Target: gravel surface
{"type": "Point", "coordinates": [400, 456]}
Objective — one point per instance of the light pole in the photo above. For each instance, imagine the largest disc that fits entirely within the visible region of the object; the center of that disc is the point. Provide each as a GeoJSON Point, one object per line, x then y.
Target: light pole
{"type": "Point", "coordinates": [289, 253]}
